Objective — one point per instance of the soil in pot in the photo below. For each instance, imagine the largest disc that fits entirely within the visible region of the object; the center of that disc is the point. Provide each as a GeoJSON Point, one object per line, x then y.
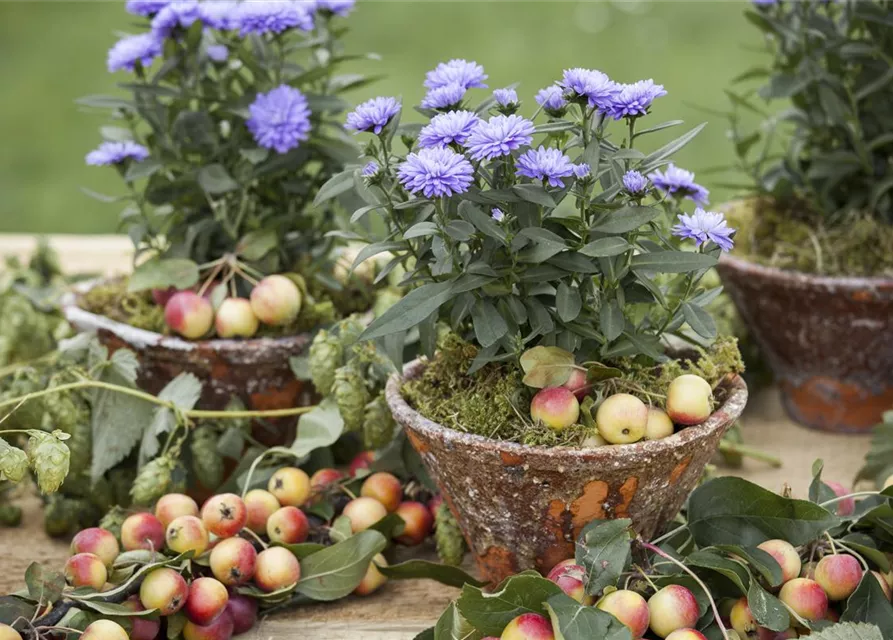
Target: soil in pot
{"type": "Point", "coordinates": [521, 506]}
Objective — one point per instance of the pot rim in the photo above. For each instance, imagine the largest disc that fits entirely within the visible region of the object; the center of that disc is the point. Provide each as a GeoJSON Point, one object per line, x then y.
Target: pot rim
{"type": "Point", "coordinates": [143, 338]}
{"type": "Point", "coordinates": [788, 276]}
{"type": "Point", "coordinates": [720, 420]}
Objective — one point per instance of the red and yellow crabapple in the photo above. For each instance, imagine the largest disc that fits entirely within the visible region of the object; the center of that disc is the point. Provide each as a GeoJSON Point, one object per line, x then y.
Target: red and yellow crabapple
{"type": "Point", "coordinates": [673, 607]}
{"type": "Point", "coordinates": [186, 533]}
{"type": "Point", "coordinates": [555, 407]}
{"type": "Point", "coordinates": [276, 300]}
{"type": "Point", "coordinates": [742, 619]}
{"type": "Point", "coordinates": [805, 597]}
{"type": "Point", "coordinates": [141, 628]}
{"type": "Point", "coordinates": [363, 512]}
{"type": "Point", "coordinates": [142, 531]}
{"type": "Point", "coordinates": [570, 578]}
{"type": "Point", "coordinates": [847, 506]}
{"type": "Point", "coordinates": [243, 611]}
{"type": "Point", "coordinates": [189, 314]}
{"type": "Point", "coordinates": [385, 488]}
{"type": "Point", "coordinates": [161, 296]}
{"type": "Point", "coordinates": [85, 570]}
{"type": "Point", "coordinates": [322, 481]}
{"type": "Point", "coordinates": [689, 399]}
{"type": "Point", "coordinates": [838, 575]}
{"type": "Point", "coordinates": [174, 505]}
{"type": "Point", "coordinates": [528, 626]}
{"type": "Point", "coordinates": [104, 630]}
{"type": "Point", "coordinates": [97, 541]}
{"type": "Point", "coordinates": [288, 525]}
{"type": "Point", "coordinates": [622, 419]}
{"type": "Point", "coordinates": [686, 634]}
{"type": "Point", "coordinates": [224, 515]}
{"type": "Point", "coordinates": [164, 589]}
{"type": "Point", "coordinates": [277, 568]}
{"type": "Point", "coordinates": [361, 461]}
{"type": "Point", "coordinates": [233, 561]}
{"type": "Point", "coordinates": [885, 584]}
{"type": "Point", "coordinates": [290, 485]}
{"type": "Point", "coordinates": [207, 599]}
{"type": "Point", "coordinates": [221, 628]}
{"type": "Point", "coordinates": [419, 523]}
{"type": "Point", "coordinates": [373, 579]}
{"type": "Point", "coordinates": [658, 425]}
{"type": "Point", "coordinates": [785, 554]}
{"type": "Point", "coordinates": [260, 505]}
{"type": "Point", "coordinates": [577, 383]}
{"type": "Point", "coordinates": [235, 319]}
{"type": "Point", "coordinates": [628, 607]}
{"type": "Point", "coordinates": [8, 633]}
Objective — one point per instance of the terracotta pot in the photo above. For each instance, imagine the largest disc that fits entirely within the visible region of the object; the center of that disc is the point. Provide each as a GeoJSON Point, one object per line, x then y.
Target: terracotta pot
{"type": "Point", "coordinates": [522, 507]}
{"type": "Point", "coordinates": [256, 370]}
{"type": "Point", "coordinates": [828, 340]}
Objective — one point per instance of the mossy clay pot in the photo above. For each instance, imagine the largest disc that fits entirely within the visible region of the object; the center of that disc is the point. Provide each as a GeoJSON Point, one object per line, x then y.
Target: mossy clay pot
{"type": "Point", "coordinates": [828, 341]}
{"type": "Point", "coordinates": [522, 507]}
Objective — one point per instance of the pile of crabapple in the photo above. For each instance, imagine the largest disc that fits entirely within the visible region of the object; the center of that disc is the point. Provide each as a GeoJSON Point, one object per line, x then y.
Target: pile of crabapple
{"type": "Point", "coordinates": [275, 301]}
{"type": "Point", "coordinates": [622, 418]}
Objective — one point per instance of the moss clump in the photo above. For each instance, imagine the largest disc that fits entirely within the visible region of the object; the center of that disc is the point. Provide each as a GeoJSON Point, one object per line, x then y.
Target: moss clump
{"type": "Point", "coordinates": [792, 237]}
{"type": "Point", "coordinates": [494, 402]}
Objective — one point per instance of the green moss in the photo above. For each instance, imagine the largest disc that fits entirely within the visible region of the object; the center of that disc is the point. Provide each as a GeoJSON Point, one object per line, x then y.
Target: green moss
{"type": "Point", "coordinates": [792, 237]}
{"type": "Point", "coordinates": [494, 402]}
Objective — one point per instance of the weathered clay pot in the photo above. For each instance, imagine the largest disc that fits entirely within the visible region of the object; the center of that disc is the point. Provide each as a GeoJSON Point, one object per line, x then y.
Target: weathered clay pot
{"type": "Point", "coordinates": [828, 340]}
{"type": "Point", "coordinates": [522, 507]}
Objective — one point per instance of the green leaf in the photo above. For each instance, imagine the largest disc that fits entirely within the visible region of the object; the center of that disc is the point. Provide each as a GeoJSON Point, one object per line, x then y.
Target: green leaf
{"type": "Point", "coordinates": [545, 244]}
{"type": "Point", "coordinates": [625, 220]}
{"type": "Point", "coordinates": [452, 626]}
{"type": "Point", "coordinates": [611, 322]}
{"type": "Point", "coordinates": [603, 550]}
{"type": "Point", "coordinates": [546, 366]}
{"type": "Point", "coordinates": [318, 428]}
{"type": "Point", "coordinates": [489, 613]}
{"type": "Point", "coordinates": [303, 549]}
{"type": "Point", "coordinates": [184, 392]}
{"type": "Point", "coordinates": [574, 621]}
{"type": "Point", "coordinates": [606, 248]}
{"type": "Point", "coordinates": [672, 261]}
{"type": "Point", "coordinates": [334, 187]}
{"type": "Point", "coordinates": [568, 302]}
{"type": "Point", "coordinates": [653, 159]}
{"type": "Point", "coordinates": [161, 273]}
{"type": "Point", "coordinates": [411, 310]}
{"type": "Point", "coordinates": [489, 325]}
{"type": "Point", "coordinates": [766, 608]}
{"type": "Point", "coordinates": [482, 222]}
{"type": "Point", "coordinates": [334, 572]}
{"type": "Point", "coordinates": [144, 169]}
{"type": "Point", "coordinates": [12, 608]}
{"type": "Point", "coordinates": [43, 584]}
{"type": "Point", "coordinates": [734, 511]}
{"type": "Point", "coordinates": [215, 179]}
{"type": "Point", "coordinates": [730, 569]}
{"type": "Point", "coordinates": [256, 244]}
{"type": "Point", "coordinates": [421, 230]}
{"type": "Point", "coordinates": [442, 573]}
{"type": "Point", "coordinates": [534, 193]}
{"type": "Point", "coordinates": [848, 631]}
{"type": "Point", "coordinates": [114, 610]}
{"type": "Point", "coordinates": [869, 604]}
{"type": "Point", "coordinates": [699, 320]}
{"type": "Point", "coordinates": [105, 102]}
{"type": "Point", "coordinates": [758, 559]}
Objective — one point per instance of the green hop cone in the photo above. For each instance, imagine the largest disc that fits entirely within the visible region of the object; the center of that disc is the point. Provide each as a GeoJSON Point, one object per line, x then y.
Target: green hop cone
{"type": "Point", "coordinates": [10, 515]}
{"type": "Point", "coordinates": [450, 543]}
{"type": "Point", "coordinates": [351, 396]}
{"type": "Point", "coordinates": [49, 458]}
{"type": "Point", "coordinates": [326, 355]}
{"type": "Point", "coordinates": [81, 446]}
{"type": "Point", "coordinates": [152, 481]}
{"type": "Point", "coordinates": [112, 521]}
{"type": "Point", "coordinates": [378, 424]}
{"type": "Point", "coordinates": [207, 465]}
{"type": "Point", "coordinates": [349, 330]}
{"type": "Point", "coordinates": [60, 515]}
{"type": "Point", "coordinates": [13, 462]}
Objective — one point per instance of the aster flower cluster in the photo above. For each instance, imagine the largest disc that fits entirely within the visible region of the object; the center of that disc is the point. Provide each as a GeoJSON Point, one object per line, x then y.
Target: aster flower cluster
{"type": "Point", "coordinates": [483, 188]}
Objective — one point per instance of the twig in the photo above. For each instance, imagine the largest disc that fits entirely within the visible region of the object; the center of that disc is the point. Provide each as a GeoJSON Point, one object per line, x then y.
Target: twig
{"type": "Point", "coordinates": [858, 494]}
{"type": "Point", "coordinates": [750, 452]}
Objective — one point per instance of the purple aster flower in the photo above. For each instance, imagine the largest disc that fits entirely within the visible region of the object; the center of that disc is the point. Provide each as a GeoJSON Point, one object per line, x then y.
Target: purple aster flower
{"type": "Point", "coordinates": [273, 16]}
{"type": "Point", "coordinates": [634, 182]}
{"type": "Point", "coordinates": [179, 13]}
{"type": "Point", "coordinates": [219, 14]}
{"type": "Point", "coordinates": [497, 214]}
{"type": "Point", "coordinates": [634, 99]}
{"type": "Point", "coordinates": [109, 153]}
{"type": "Point", "coordinates": [370, 170]}
{"type": "Point", "coordinates": [145, 7]}
{"type": "Point", "coordinates": [461, 72]}
{"type": "Point", "coordinates": [436, 171]}
{"type": "Point", "coordinates": [505, 97]}
{"type": "Point", "coordinates": [551, 99]}
{"type": "Point", "coordinates": [217, 52]}
{"type": "Point", "coordinates": [373, 115]}
{"type": "Point", "coordinates": [338, 7]}
{"type": "Point", "coordinates": [681, 183]}
{"type": "Point", "coordinates": [142, 48]}
{"type": "Point", "coordinates": [546, 164]}
{"type": "Point", "coordinates": [280, 119]}
{"type": "Point", "coordinates": [581, 171]}
{"type": "Point", "coordinates": [452, 127]}
{"type": "Point", "coordinates": [598, 89]}
{"type": "Point", "coordinates": [702, 226]}
{"type": "Point", "coordinates": [499, 136]}
{"type": "Point", "coordinates": [445, 97]}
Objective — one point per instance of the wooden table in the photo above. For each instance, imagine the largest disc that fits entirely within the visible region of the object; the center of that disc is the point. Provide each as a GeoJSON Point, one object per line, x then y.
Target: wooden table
{"type": "Point", "coordinates": [402, 609]}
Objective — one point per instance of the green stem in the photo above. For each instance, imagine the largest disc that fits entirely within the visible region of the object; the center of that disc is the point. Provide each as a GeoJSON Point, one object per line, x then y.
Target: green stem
{"type": "Point", "coordinates": [251, 470]}
{"type": "Point", "coordinates": [750, 452]}
{"type": "Point", "coordinates": [670, 534]}
{"type": "Point", "coordinates": [858, 494]}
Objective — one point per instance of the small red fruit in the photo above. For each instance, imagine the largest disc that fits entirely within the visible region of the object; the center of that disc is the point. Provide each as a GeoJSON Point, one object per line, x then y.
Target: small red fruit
{"type": "Point", "coordinates": [104, 630]}
{"type": "Point", "coordinates": [221, 628]}
{"type": "Point", "coordinates": [322, 481]}
{"type": "Point", "coordinates": [276, 300]}
{"type": "Point", "coordinates": [805, 597]}
{"type": "Point", "coordinates": [243, 611]}
{"type": "Point", "coordinates": [570, 578]}
{"type": "Point", "coordinates": [419, 523]}
{"type": "Point", "coordinates": [361, 461]}
{"type": "Point", "coordinates": [8, 633]}
{"type": "Point", "coordinates": [233, 561]}
{"type": "Point", "coordinates": [628, 607]}
{"type": "Point", "coordinates": [187, 533]}
{"type": "Point", "coordinates": [164, 589]}
{"type": "Point", "coordinates": [207, 600]}
{"type": "Point", "coordinates": [622, 419]}
{"type": "Point", "coordinates": [785, 555]}
{"type": "Point", "coordinates": [847, 506]}
{"type": "Point", "coordinates": [528, 626]}
{"type": "Point", "coordinates": [385, 488]}
{"type": "Point", "coordinates": [235, 319]}
{"type": "Point", "coordinates": [885, 584]}
{"type": "Point", "coordinates": [288, 525]}
{"type": "Point", "coordinates": [290, 485]}
{"type": "Point", "coordinates": [374, 579]}
{"type": "Point", "coordinates": [260, 505]}
{"type": "Point", "coordinates": [689, 399]}
{"type": "Point", "coordinates": [142, 531]}
{"type": "Point", "coordinates": [838, 575]}
{"type": "Point", "coordinates": [141, 628]}
{"type": "Point", "coordinates": [555, 407]}
{"type": "Point", "coordinates": [686, 634]}
{"type": "Point", "coordinates": [174, 505]}
{"type": "Point", "coordinates": [161, 296]}
{"type": "Point", "coordinates": [97, 541]}
{"type": "Point", "coordinates": [658, 425]}
{"type": "Point", "coordinates": [363, 513]}
{"type": "Point", "coordinates": [742, 619]}
{"type": "Point", "coordinates": [224, 515]}
{"type": "Point", "coordinates": [578, 384]}
{"type": "Point", "coordinates": [673, 607]}
{"type": "Point", "coordinates": [189, 314]}
{"type": "Point", "coordinates": [85, 570]}
{"type": "Point", "coordinates": [277, 568]}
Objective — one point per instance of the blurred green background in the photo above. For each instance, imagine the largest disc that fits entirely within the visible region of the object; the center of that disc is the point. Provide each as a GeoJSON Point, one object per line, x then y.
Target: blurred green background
{"type": "Point", "coordinates": [54, 52]}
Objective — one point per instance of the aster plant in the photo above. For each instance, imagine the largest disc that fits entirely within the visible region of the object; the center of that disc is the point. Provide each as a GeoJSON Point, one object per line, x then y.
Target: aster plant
{"type": "Point", "coordinates": [558, 228]}
{"type": "Point", "coordinates": [232, 124]}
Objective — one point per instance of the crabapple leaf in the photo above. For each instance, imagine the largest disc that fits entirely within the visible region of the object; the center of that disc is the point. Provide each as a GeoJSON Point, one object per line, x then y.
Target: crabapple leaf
{"type": "Point", "coordinates": [442, 573]}
{"type": "Point", "coordinates": [757, 559]}
{"type": "Point", "coordinates": [160, 274]}
{"type": "Point", "coordinates": [575, 621]}
{"type": "Point", "coordinates": [546, 366]}
{"type": "Point", "coordinates": [44, 585]}
{"type": "Point", "coordinates": [320, 427]}
{"type": "Point", "coordinates": [452, 625]}
{"type": "Point", "coordinates": [766, 608]}
{"type": "Point", "coordinates": [490, 612]}
{"type": "Point", "coordinates": [334, 572]}
{"type": "Point", "coordinates": [603, 550]}
{"type": "Point", "coordinates": [12, 608]}
{"type": "Point", "coordinates": [869, 604]}
{"type": "Point", "coordinates": [848, 631]}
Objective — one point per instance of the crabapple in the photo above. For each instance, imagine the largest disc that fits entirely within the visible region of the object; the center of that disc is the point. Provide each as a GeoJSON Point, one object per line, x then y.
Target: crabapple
{"type": "Point", "coordinates": [85, 570]}
{"type": "Point", "coordinates": [805, 597]}
{"type": "Point", "coordinates": [556, 407]}
{"type": "Point", "coordinates": [277, 568]}
{"type": "Point", "coordinates": [141, 628]}
{"type": "Point", "coordinates": [888, 482]}
{"type": "Point", "coordinates": [361, 461]}
{"type": "Point", "coordinates": [673, 607]}
{"type": "Point", "coordinates": [373, 579]}
{"type": "Point", "coordinates": [785, 555]}
{"type": "Point", "coordinates": [689, 399]}
{"type": "Point", "coordinates": [186, 533]}
{"type": "Point", "coordinates": [290, 485]}
{"type": "Point", "coordinates": [578, 383]}
{"type": "Point", "coordinates": [628, 607]}
{"type": "Point", "coordinates": [235, 319]}
{"type": "Point", "coordinates": [164, 589]}
{"type": "Point", "coordinates": [658, 424]}
{"type": "Point", "coordinates": [8, 633]}
{"type": "Point", "coordinates": [97, 541]}
{"type": "Point", "coordinates": [174, 505]}
{"type": "Point", "coordinates": [233, 561]}
{"type": "Point", "coordinates": [288, 525]}
{"type": "Point", "coordinates": [838, 575]}
{"type": "Point", "coordinates": [104, 630]}
{"type": "Point", "coordinates": [528, 626]}
{"type": "Point", "coordinates": [385, 488]}
{"type": "Point", "coordinates": [260, 505]}
{"type": "Point", "coordinates": [885, 585]}
{"type": "Point", "coordinates": [224, 515]}
{"type": "Point", "coordinates": [686, 634]}
{"type": "Point", "coordinates": [419, 523]}
{"type": "Point", "coordinates": [593, 441]}
{"type": "Point", "coordinates": [570, 578]}
{"type": "Point", "coordinates": [363, 512]}
{"type": "Point", "coordinates": [322, 480]}
{"type": "Point", "coordinates": [434, 504]}
{"type": "Point", "coordinates": [189, 314]}
{"type": "Point", "coordinates": [243, 611]}
{"type": "Point", "coordinates": [622, 418]}
{"type": "Point", "coordinates": [207, 600]}
{"type": "Point", "coordinates": [742, 619]}
{"type": "Point", "coordinates": [221, 628]}
{"type": "Point", "coordinates": [276, 300]}
{"type": "Point", "coordinates": [847, 506]}
{"type": "Point", "coordinates": [142, 531]}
